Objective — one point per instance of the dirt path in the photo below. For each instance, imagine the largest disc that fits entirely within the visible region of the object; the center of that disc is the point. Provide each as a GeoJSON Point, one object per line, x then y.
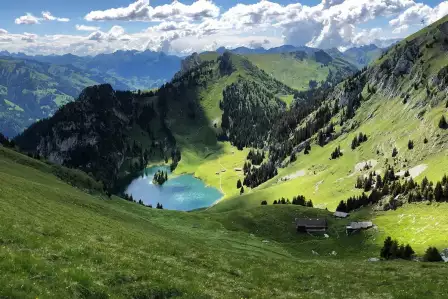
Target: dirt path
{"type": "Point", "coordinates": [292, 176]}
{"type": "Point", "coordinates": [415, 171]}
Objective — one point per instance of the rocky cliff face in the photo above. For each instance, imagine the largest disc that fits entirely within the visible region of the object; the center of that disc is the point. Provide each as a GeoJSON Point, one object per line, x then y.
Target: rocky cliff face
{"type": "Point", "coordinates": [414, 64]}
{"type": "Point", "coordinates": [188, 64]}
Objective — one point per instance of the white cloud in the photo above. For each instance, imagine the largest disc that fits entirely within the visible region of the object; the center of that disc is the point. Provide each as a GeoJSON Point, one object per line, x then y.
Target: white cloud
{"type": "Point", "coordinates": [3, 31]}
{"type": "Point", "coordinates": [114, 34]}
{"type": "Point", "coordinates": [27, 19]}
{"type": "Point", "coordinates": [86, 28]}
{"type": "Point", "coordinates": [180, 28]}
{"type": "Point", "coordinates": [332, 23]}
{"type": "Point", "coordinates": [419, 14]}
{"type": "Point", "coordinates": [142, 11]}
{"type": "Point", "coordinates": [401, 29]}
{"type": "Point", "coordinates": [47, 16]}
{"type": "Point", "coordinates": [29, 37]}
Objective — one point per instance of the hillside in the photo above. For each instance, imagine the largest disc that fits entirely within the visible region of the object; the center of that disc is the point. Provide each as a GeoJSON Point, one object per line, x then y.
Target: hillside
{"type": "Point", "coordinates": [97, 133]}
{"type": "Point", "coordinates": [185, 113]}
{"type": "Point", "coordinates": [398, 104]}
{"type": "Point", "coordinates": [60, 242]}
{"type": "Point", "coordinates": [138, 70]}
{"type": "Point", "coordinates": [32, 90]}
{"type": "Point", "coordinates": [302, 70]}
{"type": "Point", "coordinates": [363, 56]}
{"type": "Point", "coordinates": [371, 133]}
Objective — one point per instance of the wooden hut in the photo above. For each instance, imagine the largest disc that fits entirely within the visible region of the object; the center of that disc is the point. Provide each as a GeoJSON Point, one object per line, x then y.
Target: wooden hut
{"type": "Point", "coordinates": [310, 225]}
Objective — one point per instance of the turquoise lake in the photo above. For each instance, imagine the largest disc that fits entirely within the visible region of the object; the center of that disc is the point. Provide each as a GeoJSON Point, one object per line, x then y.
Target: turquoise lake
{"type": "Point", "coordinates": [183, 193]}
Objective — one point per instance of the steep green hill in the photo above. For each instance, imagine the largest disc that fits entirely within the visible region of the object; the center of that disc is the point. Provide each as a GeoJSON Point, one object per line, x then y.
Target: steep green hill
{"type": "Point", "coordinates": [398, 103]}
{"type": "Point", "coordinates": [149, 127]}
{"type": "Point", "coordinates": [32, 90]}
{"type": "Point", "coordinates": [303, 71]}
{"type": "Point", "coordinates": [59, 242]}
{"type": "Point", "coordinates": [314, 147]}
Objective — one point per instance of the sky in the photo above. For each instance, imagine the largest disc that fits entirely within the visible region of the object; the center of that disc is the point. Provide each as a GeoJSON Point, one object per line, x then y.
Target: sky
{"type": "Point", "coordinates": [90, 27]}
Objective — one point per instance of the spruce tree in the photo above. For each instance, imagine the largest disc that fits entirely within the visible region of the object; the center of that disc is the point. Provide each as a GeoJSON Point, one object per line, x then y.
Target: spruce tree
{"type": "Point", "coordinates": [238, 184]}
{"type": "Point", "coordinates": [408, 252]}
{"type": "Point", "coordinates": [438, 192]}
{"type": "Point", "coordinates": [432, 255]}
{"type": "Point", "coordinates": [394, 152]}
{"type": "Point", "coordinates": [385, 251]}
{"type": "Point", "coordinates": [442, 122]}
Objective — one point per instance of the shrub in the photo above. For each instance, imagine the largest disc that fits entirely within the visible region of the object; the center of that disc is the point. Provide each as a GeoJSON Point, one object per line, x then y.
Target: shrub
{"type": "Point", "coordinates": [264, 203]}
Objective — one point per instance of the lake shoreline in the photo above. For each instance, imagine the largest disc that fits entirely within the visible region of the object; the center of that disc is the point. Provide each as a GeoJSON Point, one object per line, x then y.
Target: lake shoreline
{"type": "Point", "coordinates": [184, 192]}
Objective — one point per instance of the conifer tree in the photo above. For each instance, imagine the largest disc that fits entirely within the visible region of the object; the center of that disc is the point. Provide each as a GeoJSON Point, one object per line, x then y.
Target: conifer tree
{"type": "Point", "coordinates": [432, 255]}
{"type": "Point", "coordinates": [438, 192]}
{"type": "Point", "coordinates": [442, 122]}
{"type": "Point", "coordinates": [385, 251]}
{"type": "Point", "coordinates": [238, 184]}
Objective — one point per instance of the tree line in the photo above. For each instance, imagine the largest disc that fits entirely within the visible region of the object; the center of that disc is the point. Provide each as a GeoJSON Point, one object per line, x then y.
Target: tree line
{"type": "Point", "coordinates": [400, 191]}
{"type": "Point", "coordinates": [299, 200]}
{"type": "Point", "coordinates": [393, 250]}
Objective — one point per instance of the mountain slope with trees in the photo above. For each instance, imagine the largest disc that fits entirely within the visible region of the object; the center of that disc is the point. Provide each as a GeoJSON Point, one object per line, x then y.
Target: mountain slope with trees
{"type": "Point", "coordinates": [96, 133]}
{"type": "Point", "coordinates": [398, 104]}
{"type": "Point", "coordinates": [140, 127]}
{"type": "Point", "coordinates": [32, 90]}
{"type": "Point", "coordinates": [137, 70]}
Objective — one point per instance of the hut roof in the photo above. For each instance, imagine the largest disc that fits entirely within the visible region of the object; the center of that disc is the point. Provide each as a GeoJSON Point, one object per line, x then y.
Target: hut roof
{"type": "Point", "coordinates": [360, 225]}
{"type": "Point", "coordinates": [341, 214]}
{"type": "Point", "coordinates": [311, 222]}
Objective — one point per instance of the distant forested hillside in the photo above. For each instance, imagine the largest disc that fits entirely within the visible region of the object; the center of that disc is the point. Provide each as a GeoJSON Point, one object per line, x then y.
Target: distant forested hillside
{"type": "Point", "coordinates": [32, 90]}
{"type": "Point", "coordinates": [138, 70]}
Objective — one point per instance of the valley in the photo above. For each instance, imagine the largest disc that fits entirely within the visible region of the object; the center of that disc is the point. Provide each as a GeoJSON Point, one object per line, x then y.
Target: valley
{"type": "Point", "coordinates": [124, 250]}
{"type": "Point", "coordinates": [196, 188]}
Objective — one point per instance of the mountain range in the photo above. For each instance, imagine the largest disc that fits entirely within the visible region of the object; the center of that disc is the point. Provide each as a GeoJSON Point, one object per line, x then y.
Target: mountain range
{"type": "Point", "coordinates": [34, 87]}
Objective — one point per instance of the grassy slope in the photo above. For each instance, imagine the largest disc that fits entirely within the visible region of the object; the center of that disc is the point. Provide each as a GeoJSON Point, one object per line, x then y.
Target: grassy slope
{"type": "Point", "coordinates": [201, 154]}
{"type": "Point", "coordinates": [32, 90]}
{"type": "Point", "coordinates": [58, 242]}
{"type": "Point", "coordinates": [328, 181]}
{"type": "Point", "coordinates": [388, 123]}
{"type": "Point", "coordinates": [292, 72]}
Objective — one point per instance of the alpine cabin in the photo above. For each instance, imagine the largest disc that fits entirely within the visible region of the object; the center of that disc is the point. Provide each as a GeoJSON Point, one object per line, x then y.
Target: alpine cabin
{"type": "Point", "coordinates": [310, 225]}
